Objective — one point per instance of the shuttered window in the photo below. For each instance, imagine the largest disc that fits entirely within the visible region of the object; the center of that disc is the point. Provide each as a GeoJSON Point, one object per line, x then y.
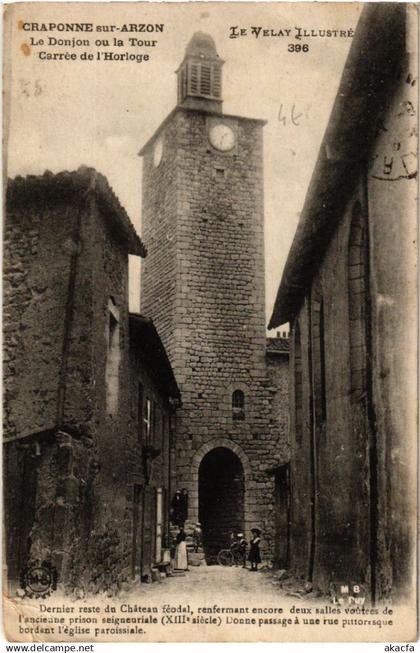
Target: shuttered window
{"type": "Point", "coordinates": [194, 78]}
{"type": "Point", "coordinates": [201, 79]}
{"type": "Point", "coordinates": [205, 79]}
{"type": "Point", "coordinates": [217, 81]}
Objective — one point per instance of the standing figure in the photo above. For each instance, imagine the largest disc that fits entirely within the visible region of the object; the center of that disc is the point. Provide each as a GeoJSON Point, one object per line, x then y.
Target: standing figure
{"type": "Point", "coordinates": [197, 537]}
{"type": "Point", "coordinates": [177, 512]}
{"type": "Point", "coordinates": [184, 505]}
{"type": "Point", "coordinates": [242, 544]}
{"type": "Point", "coordinates": [181, 558]}
{"type": "Point", "coordinates": [254, 552]}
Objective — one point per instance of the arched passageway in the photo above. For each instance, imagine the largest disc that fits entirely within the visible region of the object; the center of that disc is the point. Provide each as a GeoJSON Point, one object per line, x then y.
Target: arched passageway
{"type": "Point", "coordinates": [221, 499]}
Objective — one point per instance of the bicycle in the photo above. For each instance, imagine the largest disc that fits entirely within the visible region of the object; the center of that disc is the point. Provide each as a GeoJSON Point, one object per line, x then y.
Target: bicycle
{"type": "Point", "coordinates": [230, 557]}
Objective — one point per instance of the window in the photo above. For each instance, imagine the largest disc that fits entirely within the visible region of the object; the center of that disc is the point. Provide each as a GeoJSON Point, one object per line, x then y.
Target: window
{"type": "Point", "coordinates": [113, 358]}
{"type": "Point", "coordinates": [194, 78]}
{"type": "Point", "coordinates": [217, 81]}
{"type": "Point", "coordinates": [205, 86]}
{"type": "Point", "coordinates": [153, 428]}
{"type": "Point", "coordinates": [161, 432]}
{"type": "Point", "coordinates": [147, 421]}
{"type": "Point", "coordinates": [204, 79]}
{"type": "Point", "coordinates": [238, 405]}
{"type": "Point", "coordinates": [140, 400]}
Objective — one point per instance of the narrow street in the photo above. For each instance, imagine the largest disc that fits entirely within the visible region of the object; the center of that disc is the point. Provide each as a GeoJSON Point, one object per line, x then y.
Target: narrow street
{"type": "Point", "coordinates": [207, 582]}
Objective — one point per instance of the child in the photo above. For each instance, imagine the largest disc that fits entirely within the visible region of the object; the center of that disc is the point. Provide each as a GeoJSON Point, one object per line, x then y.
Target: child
{"type": "Point", "coordinates": [197, 537]}
{"type": "Point", "coordinates": [254, 552]}
{"type": "Point", "coordinates": [242, 544]}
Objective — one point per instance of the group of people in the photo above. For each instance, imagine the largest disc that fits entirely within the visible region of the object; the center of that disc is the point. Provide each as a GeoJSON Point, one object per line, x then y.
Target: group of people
{"type": "Point", "coordinates": [239, 544]}
{"type": "Point", "coordinates": [179, 507]}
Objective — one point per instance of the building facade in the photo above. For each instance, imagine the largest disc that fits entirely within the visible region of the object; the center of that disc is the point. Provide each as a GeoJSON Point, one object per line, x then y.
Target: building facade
{"type": "Point", "coordinates": [73, 373]}
{"type": "Point", "coordinates": [203, 284]}
{"type": "Point", "coordinates": [349, 291]}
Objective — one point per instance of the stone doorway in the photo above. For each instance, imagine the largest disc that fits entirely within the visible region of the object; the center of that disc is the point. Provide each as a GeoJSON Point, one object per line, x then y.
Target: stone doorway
{"type": "Point", "coordinates": [221, 499]}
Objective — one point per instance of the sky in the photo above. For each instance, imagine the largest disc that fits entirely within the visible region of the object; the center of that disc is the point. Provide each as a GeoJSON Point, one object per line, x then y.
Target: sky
{"type": "Point", "coordinates": [62, 114]}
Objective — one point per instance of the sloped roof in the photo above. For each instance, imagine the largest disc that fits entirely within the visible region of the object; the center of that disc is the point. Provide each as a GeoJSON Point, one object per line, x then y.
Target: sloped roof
{"type": "Point", "coordinates": [143, 334]}
{"type": "Point", "coordinates": [64, 185]}
{"type": "Point", "coordinates": [277, 346]}
{"type": "Point", "coordinates": [370, 74]}
{"type": "Point", "coordinates": [202, 45]}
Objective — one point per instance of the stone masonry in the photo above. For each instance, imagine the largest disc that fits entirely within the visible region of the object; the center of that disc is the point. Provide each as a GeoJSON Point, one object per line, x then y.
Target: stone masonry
{"type": "Point", "coordinates": [74, 454]}
{"type": "Point", "coordinates": [203, 284]}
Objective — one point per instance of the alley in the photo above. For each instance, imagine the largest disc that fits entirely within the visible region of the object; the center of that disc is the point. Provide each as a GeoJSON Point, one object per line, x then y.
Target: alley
{"type": "Point", "coordinates": [206, 583]}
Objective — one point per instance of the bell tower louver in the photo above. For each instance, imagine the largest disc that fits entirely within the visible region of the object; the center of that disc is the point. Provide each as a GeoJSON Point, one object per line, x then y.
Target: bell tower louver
{"type": "Point", "coordinates": [200, 75]}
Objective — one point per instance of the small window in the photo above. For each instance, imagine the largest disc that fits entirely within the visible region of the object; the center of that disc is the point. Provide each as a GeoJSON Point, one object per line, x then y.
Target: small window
{"type": "Point", "coordinates": [140, 400]}
{"type": "Point", "coordinates": [238, 405]}
{"type": "Point", "coordinates": [113, 358]}
{"type": "Point", "coordinates": [147, 420]}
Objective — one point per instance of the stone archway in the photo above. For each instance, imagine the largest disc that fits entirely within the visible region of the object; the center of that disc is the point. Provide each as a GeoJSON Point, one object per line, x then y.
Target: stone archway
{"type": "Point", "coordinates": [221, 490]}
{"type": "Point", "coordinates": [243, 468]}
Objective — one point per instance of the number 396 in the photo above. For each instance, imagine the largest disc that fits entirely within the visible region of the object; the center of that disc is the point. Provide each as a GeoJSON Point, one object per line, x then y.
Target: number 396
{"type": "Point", "coordinates": [297, 47]}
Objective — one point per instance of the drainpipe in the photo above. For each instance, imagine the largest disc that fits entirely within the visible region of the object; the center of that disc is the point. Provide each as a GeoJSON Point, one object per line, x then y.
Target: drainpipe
{"type": "Point", "coordinates": [69, 308]}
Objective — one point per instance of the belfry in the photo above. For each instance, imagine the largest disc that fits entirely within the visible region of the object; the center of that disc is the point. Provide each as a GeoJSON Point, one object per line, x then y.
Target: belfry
{"type": "Point", "coordinates": [203, 285]}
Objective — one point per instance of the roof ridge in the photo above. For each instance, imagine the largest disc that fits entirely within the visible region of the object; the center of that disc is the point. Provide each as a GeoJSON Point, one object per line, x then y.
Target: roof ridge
{"type": "Point", "coordinates": [85, 179]}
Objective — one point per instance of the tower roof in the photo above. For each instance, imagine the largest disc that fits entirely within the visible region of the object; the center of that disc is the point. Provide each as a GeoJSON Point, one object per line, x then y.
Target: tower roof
{"type": "Point", "coordinates": [202, 45]}
{"type": "Point", "coordinates": [200, 75]}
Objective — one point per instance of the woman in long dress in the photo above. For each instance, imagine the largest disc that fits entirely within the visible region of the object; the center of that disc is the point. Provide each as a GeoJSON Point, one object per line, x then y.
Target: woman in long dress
{"type": "Point", "coordinates": [254, 551]}
{"type": "Point", "coordinates": [181, 559]}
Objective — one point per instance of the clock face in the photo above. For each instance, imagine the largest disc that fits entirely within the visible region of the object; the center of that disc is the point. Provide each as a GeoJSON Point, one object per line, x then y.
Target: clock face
{"type": "Point", "coordinates": [222, 137]}
{"type": "Point", "coordinates": [158, 151]}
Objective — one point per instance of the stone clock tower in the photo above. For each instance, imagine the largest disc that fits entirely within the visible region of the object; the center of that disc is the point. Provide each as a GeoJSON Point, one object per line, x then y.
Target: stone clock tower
{"type": "Point", "coordinates": [203, 285]}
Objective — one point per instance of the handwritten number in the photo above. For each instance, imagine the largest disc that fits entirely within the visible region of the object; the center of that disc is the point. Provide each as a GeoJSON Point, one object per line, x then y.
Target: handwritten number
{"type": "Point", "coordinates": [24, 87]}
{"type": "Point", "coordinates": [294, 116]}
{"type": "Point", "coordinates": [38, 88]}
{"type": "Point", "coordinates": [29, 88]}
{"type": "Point", "coordinates": [280, 117]}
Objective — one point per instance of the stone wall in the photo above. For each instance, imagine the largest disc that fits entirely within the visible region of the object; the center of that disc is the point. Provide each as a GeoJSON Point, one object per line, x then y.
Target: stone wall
{"type": "Point", "coordinates": [77, 492]}
{"type": "Point", "coordinates": [37, 250]}
{"type": "Point", "coordinates": [203, 284]}
{"type": "Point", "coordinates": [62, 265]}
{"type": "Point", "coordinates": [159, 231]}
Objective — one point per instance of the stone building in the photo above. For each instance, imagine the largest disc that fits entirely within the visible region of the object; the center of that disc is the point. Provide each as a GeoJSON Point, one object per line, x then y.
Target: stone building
{"type": "Point", "coordinates": [89, 392]}
{"type": "Point", "coordinates": [349, 292]}
{"type": "Point", "coordinates": [203, 284]}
